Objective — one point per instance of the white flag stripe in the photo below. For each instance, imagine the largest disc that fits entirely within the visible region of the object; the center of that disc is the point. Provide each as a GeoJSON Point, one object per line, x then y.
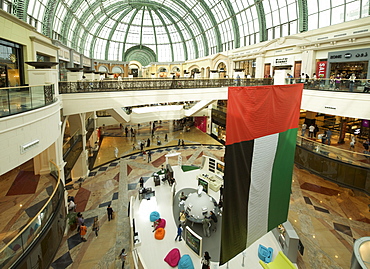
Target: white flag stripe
{"type": "Point", "coordinates": [259, 195]}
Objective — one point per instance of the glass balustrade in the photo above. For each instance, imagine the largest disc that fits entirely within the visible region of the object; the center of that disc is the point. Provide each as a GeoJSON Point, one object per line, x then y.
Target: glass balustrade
{"type": "Point", "coordinates": [22, 240]}
{"type": "Point", "coordinates": [16, 100]}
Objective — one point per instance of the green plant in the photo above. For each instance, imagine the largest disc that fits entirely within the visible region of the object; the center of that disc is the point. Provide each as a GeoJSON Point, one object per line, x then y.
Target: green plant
{"type": "Point", "coordinates": [72, 218]}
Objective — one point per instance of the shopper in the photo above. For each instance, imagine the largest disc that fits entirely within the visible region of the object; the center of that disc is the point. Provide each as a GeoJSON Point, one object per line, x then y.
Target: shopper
{"type": "Point", "coordinates": [141, 182]}
{"type": "Point", "coordinates": [328, 136]}
{"type": "Point", "coordinates": [316, 130]}
{"type": "Point", "coordinates": [96, 226]}
{"type": "Point", "coordinates": [116, 152]}
{"type": "Point", "coordinates": [206, 222]}
{"type": "Point", "coordinates": [179, 232]}
{"type": "Point", "coordinates": [110, 212]}
{"type": "Point", "coordinates": [304, 127]}
{"type": "Point", "coordinates": [123, 257]}
{"type": "Point", "coordinates": [148, 143]}
{"type": "Point", "coordinates": [352, 143]}
{"type": "Point", "coordinates": [352, 80]}
{"type": "Point", "coordinates": [367, 86]}
{"type": "Point", "coordinates": [366, 144]}
{"type": "Point", "coordinates": [149, 156]}
{"type": "Point", "coordinates": [80, 220]}
{"type": "Point", "coordinates": [182, 217]}
{"type": "Point", "coordinates": [206, 261]}
{"type": "Point", "coordinates": [83, 231]}
{"type": "Point", "coordinates": [311, 130]}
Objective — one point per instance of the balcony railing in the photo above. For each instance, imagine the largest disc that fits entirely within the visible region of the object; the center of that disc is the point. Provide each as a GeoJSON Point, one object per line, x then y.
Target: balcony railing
{"type": "Point", "coordinates": [16, 100]}
{"type": "Point", "coordinates": [156, 84]}
{"type": "Point", "coordinates": [20, 243]}
{"type": "Point", "coordinates": [327, 84]}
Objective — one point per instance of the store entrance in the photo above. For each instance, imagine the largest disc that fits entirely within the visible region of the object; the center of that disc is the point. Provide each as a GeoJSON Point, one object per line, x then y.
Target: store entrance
{"type": "Point", "coordinates": [346, 69]}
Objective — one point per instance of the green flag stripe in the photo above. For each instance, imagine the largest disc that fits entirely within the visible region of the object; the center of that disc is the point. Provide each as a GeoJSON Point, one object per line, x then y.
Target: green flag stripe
{"type": "Point", "coordinates": [281, 179]}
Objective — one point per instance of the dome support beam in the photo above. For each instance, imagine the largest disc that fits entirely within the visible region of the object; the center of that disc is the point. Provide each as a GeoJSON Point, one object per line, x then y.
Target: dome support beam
{"type": "Point", "coordinates": [261, 20]}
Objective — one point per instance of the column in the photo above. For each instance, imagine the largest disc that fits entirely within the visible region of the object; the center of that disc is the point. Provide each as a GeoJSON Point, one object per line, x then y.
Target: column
{"type": "Point", "coordinates": [308, 62]}
{"type": "Point", "coordinates": [260, 60]}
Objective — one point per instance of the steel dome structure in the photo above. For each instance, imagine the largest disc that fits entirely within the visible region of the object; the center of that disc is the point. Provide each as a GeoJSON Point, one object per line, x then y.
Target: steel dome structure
{"type": "Point", "coordinates": [176, 30]}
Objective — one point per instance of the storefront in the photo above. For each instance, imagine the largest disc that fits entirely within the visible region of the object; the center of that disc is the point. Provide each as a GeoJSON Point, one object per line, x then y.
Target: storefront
{"type": "Point", "coordinates": [349, 62]}
{"type": "Point", "coordinates": [248, 67]}
{"type": "Point", "coordinates": [218, 129]}
{"type": "Point", "coordinates": [11, 64]}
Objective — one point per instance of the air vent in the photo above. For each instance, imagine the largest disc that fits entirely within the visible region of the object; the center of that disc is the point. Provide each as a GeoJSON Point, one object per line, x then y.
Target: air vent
{"type": "Point", "coordinates": [361, 31]}
{"type": "Point", "coordinates": [289, 49]}
{"type": "Point", "coordinates": [321, 38]}
{"type": "Point", "coordinates": [340, 35]}
{"type": "Point", "coordinates": [29, 146]}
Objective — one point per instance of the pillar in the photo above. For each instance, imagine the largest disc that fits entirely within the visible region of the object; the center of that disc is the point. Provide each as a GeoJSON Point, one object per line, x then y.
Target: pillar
{"type": "Point", "coordinates": [260, 60]}
{"type": "Point", "coordinates": [308, 62]}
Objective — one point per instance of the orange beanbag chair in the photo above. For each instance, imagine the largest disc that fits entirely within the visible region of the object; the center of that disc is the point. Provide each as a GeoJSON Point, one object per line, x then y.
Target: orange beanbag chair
{"type": "Point", "coordinates": [159, 234]}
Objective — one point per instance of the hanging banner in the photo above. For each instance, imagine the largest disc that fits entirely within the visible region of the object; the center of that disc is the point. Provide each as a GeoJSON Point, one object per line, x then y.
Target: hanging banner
{"type": "Point", "coordinates": [321, 69]}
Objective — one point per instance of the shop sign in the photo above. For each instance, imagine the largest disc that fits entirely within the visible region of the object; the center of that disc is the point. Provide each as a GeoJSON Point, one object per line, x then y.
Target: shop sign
{"type": "Point", "coordinates": [349, 55]}
{"type": "Point", "coordinates": [282, 61]}
{"type": "Point", "coordinates": [321, 69]}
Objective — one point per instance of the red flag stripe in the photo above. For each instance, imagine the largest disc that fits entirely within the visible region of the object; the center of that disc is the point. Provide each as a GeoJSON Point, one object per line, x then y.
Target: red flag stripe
{"type": "Point", "coordinates": [247, 116]}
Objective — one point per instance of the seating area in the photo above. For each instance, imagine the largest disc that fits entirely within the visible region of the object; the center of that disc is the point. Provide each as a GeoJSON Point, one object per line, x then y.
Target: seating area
{"type": "Point", "coordinates": [280, 262]}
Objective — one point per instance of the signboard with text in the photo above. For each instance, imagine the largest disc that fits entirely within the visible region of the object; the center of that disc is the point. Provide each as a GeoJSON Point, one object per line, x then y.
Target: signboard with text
{"type": "Point", "coordinates": [321, 69]}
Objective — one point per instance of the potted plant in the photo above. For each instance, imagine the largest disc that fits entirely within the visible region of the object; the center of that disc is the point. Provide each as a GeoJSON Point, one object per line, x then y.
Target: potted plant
{"type": "Point", "coordinates": [72, 220]}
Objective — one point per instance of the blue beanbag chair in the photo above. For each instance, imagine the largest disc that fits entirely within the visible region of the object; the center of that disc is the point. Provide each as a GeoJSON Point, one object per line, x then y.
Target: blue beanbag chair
{"type": "Point", "coordinates": [185, 262]}
{"type": "Point", "coordinates": [154, 216]}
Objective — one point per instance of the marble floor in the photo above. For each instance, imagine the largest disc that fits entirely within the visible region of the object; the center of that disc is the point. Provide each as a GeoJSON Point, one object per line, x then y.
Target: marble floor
{"type": "Point", "coordinates": [22, 195]}
{"type": "Point", "coordinates": [327, 217]}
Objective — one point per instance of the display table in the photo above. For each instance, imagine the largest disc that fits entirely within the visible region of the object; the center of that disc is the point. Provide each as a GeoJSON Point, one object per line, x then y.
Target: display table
{"type": "Point", "coordinates": [214, 181]}
{"type": "Point", "coordinates": [198, 206]}
{"type": "Point", "coordinates": [146, 193]}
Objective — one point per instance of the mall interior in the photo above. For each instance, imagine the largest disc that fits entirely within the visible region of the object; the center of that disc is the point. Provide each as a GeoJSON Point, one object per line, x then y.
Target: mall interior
{"type": "Point", "coordinates": [96, 95]}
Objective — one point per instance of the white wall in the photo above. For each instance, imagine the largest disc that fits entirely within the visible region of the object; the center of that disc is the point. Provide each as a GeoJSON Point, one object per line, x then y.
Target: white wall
{"type": "Point", "coordinates": [17, 130]}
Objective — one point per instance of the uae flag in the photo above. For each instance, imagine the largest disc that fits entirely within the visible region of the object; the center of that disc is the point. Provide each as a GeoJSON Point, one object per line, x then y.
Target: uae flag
{"type": "Point", "coordinates": [261, 129]}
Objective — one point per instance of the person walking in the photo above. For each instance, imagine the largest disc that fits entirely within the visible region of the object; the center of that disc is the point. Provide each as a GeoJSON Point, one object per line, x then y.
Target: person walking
{"type": "Point", "coordinates": [165, 138]}
{"type": "Point", "coordinates": [206, 261]}
{"type": "Point", "coordinates": [352, 80]}
{"type": "Point", "coordinates": [83, 231]}
{"type": "Point", "coordinates": [123, 257]}
{"type": "Point", "coordinates": [148, 143]}
{"type": "Point", "coordinates": [96, 226]}
{"type": "Point", "coordinates": [179, 232]}
{"type": "Point", "coordinates": [304, 127]}
{"type": "Point", "coordinates": [316, 130]}
{"type": "Point", "coordinates": [80, 220]}
{"type": "Point", "coordinates": [110, 212]}
{"type": "Point", "coordinates": [206, 222]}
{"type": "Point", "coordinates": [328, 136]}
{"type": "Point", "coordinates": [352, 143]}
{"type": "Point", "coordinates": [141, 182]}
{"type": "Point", "coordinates": [149, 156]}
{"type": "Point", "coordinates": [116, 152]}
{"type": "Point", "coordinates": [311, 130]}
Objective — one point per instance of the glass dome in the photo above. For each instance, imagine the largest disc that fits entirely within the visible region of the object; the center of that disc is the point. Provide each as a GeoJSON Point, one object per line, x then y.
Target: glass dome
{"type": "Point", "coordinates": [176, 30]}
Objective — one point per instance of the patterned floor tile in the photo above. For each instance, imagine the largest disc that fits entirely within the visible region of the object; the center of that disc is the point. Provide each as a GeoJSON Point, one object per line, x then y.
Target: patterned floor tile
{"type": "Point", "coordinates": [307, 200]}
{"type": "Point", "coordinates": [104, 168]}
{"type": "Point", "coordinates": [131, 186]}
{"type": "Point", "coordinates": [92, 174]}
{"type": "Point", "coordinates": [321, 209]}
{"type": "Point", "coordinates": [73, 241]}
{"type": "Point", "coordinates": [105, 204]}
{"type": "Point", "coordinates": [343, 229]}
{"type": "Point", "coordinates": [33, 210]}
{"type": "Point", "coordinates": [63, 261]}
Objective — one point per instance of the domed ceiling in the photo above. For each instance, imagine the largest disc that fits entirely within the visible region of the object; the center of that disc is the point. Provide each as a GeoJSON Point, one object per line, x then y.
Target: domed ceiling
{"type": "Point", "coordinates": [177, 30]}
